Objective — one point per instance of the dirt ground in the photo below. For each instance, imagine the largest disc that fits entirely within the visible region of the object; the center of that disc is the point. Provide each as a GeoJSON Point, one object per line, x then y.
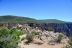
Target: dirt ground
{"type": "Point", "coordinates": [45, 45]}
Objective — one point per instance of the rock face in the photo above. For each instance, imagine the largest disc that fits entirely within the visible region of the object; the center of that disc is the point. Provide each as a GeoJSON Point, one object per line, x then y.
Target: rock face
{"type": "Point", "coordinates": [65, 28]}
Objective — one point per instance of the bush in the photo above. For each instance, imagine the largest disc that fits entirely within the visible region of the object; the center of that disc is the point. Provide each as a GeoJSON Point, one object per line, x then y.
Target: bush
{"type": "Point", "coordinates": [9, 38]}
{"type": "Point", "coordinates": [59, 38]}
{"type": "Point", "coordinates": [35, 33]}
{"type": "Point", "coordinates": [67, 46]}
{"type": "Point", "coordinates": [29, 38]}
{"type": "Point", "coordinates": [70, 41]}
{"type": "Point", "coordinates": [50, 29]}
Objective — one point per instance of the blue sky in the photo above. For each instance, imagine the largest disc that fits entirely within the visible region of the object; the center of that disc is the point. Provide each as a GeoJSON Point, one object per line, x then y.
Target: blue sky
{"type": "Point", "coordinates": [38, 9]}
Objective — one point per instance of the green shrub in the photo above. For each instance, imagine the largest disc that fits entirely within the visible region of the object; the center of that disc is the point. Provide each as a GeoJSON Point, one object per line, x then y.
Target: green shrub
{"type": "Point", "coordinates": [50, 29]}
{"type": "Point", "coordinates": [70, 41]}
{"type": "Point", "coordinates": [29, 38]}
{"type": "Point", "coordinates": [35, 33]}
{"type": "Point", "coordinates": [67, 46]}
{"type": "Point", "coordinates": [9, 38]}
{"type": "Point", "coordinates": [4, 32]}
{"type": "Point", "coordinates": [59, 38]}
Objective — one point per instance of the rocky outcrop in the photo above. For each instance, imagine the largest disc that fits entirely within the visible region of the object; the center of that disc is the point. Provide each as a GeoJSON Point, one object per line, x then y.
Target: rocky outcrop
{"type": "Point", "coordinates": [46, 38]}
{"type": "Point", "coordinates": [65, 28]}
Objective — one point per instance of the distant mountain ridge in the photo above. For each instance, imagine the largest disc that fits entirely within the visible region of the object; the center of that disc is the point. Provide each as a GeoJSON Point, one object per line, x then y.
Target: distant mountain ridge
{"type": "Point", "coordinates": [15, 19]}
{"type": "Point", "coordinates": [52, 21]}
{"type": "Point", "coordinates": [18, 19]}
